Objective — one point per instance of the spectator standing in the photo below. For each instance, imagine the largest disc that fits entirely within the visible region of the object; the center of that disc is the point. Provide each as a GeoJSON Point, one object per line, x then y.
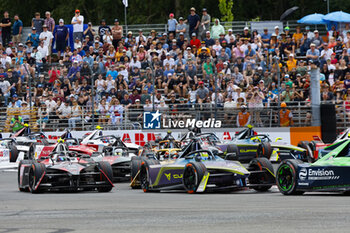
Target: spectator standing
{"type": "Point", "coordinates": [102, 30]}
{"type": "Point", "coordinates": [17, 122]}
{"type": "Point", "coordinates": [286, 116]}
{"type": "Point", "coordinates": [117, 33]}
{"type": "Point", "coordinates": [17, 30]}
{"type": "Point", "coordinates": [38, 23]}
{"type": "Point", "coordinates": [6, 29]}
{"type": "Point", "coordinates": [5, 88]}
{"type": "Point", "coordinates": [90, 32]}
{"type": "Point", "coordinates": [46, 37]}
{"type": "Point", "coordinates": [205, 24]}
{"type": "Point", "coordinates": [217, 29]}
{"type": "Point", "coordinates": [49, 21]}
{"type": "Point", "coordinates": [61, 37]}
{"type": "Point", "coordinates": [34, 37]}
{"type": "Point", "coordinates": [181, 27]}
{"type": "Point", "coordinates": [243, 117]}
{"type": "Point", "coordinates": [172, 22]}
{"type": "Point", "coordinates": [193, 21]}
{"type": "Point", "coordinates": [78, 25]}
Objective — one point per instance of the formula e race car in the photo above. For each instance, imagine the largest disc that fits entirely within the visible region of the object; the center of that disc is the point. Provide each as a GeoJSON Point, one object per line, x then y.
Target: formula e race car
{"type": "Point", "coordinates": [319, 148]}
{"type": "Point", "coordinates": [329, 173]}
{"type": "Point", "coordinates": [61, 171]}
{"type": "Point", "coordinates": [97, 140]}
{"type": "Point", "coordinates": [10, 155]}
{"type": "Point", "coordinates": [203, 171]}
{"type": "Point", "coordinates": [248, 144]}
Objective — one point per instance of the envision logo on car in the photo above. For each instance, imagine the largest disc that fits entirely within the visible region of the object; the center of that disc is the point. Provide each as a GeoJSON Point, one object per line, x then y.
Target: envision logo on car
{"type": "Point", "coordinates": [302, 174]}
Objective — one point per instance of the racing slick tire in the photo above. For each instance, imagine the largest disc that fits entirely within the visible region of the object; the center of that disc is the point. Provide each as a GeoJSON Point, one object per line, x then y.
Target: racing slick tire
{"type": "Point", "coordinates": [36, 173]}
{"type": "Point", "coordinates": [232, 149]}
{"type": "Point", "coordinates": [13, 153]}
{"type": "Point", "coordinates": [309, 152]}
{"type": "Point", "coordinates": [193, 175]}
{"type": "Point", "coordinates": [264, 150]}
{"type": "Point", "coordinates": [135, 167]}
{"type": "Point", "coordinates": [144, 174]}
{"type": "Point", "coordinates": [31, 152]}
{"type": "Point", "coordinates": [19, 174]}
{"type": "Point", "coordinates": [261, 164]}
{"type": "Point", "coordinates": [107, 176]}
{"type": "Point", "coordinates": [287, 177]}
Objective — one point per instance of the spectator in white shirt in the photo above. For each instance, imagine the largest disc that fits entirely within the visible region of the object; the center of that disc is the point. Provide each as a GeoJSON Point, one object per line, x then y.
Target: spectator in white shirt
{"type": "Point", "coordinates": [46, 37]}
{"type": "Point", "coordinates": [169, 60]}
{"type": "Point", "coordinates": [78, 25]}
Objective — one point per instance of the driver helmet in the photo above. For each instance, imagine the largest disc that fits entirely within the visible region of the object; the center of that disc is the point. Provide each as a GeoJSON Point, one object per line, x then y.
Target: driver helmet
{"type": "Point", "coordinates": [61, 157]}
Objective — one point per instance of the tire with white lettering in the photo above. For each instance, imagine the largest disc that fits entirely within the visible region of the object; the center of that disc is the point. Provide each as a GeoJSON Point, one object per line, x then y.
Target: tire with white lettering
{"type": "Point", "coordinates": [264, 174]}
{"type": "Point", "coordinates": [144, 174]}
{"type": "Point", "coordinates": [135, 168]}
{"type": "Point", "coordinates": [309, 156]}
{"type": "Point", "coordinates": [193, 175]}
{"type": "Point", "coordinates": [264, 150]}
{"type": "Point", "coordinates": [287, 177]}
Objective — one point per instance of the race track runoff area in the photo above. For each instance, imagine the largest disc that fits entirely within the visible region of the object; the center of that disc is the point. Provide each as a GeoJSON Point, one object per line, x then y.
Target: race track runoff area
{"type": "Point", "coordinates": [126, 210]}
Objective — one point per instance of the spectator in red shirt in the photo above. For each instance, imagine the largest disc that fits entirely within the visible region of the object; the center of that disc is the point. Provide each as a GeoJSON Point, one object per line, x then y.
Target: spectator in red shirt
{"type": "Point", "coordinates": [195, 41]}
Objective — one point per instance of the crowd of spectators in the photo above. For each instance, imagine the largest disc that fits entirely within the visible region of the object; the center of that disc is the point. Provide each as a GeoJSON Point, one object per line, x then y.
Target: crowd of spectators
{"type": "Point", "coordinates": [186, 68]}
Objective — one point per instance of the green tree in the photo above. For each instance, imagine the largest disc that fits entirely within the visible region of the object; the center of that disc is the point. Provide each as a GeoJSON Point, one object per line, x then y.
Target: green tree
{"type": "Point", "coordinates": [225, 7]}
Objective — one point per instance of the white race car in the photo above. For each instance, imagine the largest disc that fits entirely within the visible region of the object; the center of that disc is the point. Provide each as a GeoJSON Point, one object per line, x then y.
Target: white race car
{"type": "Point", "coordinates": [11, 153]}
{"type": "Point", "coordinates": [97, 140]}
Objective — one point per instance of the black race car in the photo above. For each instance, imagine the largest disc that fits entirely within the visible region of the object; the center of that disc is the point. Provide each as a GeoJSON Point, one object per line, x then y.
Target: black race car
{"type": "Point", "coordinates": [60, 171]}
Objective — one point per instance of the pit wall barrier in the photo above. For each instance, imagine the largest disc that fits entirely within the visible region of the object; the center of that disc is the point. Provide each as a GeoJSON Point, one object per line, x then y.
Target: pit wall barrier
{"type": "Point", "coordinates": [140, 137]}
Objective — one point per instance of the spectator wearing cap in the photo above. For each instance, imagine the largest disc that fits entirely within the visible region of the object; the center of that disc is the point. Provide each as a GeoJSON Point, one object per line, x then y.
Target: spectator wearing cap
{"type": "Point", "coordinates": [15, 102]}
{"type": "Point", "coordinates": [78, 25]}
{"type": "Point", "coordinates": [193, 21]}
{"type": "Point", "coordinates": [243, 117]}
{"type": "Point", "coordinates": [229, 36]}
{"type": "Point", "coordinates": [205, 24]}
{"type": "Point", "coordinates": [202, 92]}
{"type": "Point", "coordinates": [250, 55]}
{"type": "Point", "coordinates": [103, 29]}
{"type": "Point", "coordinates": [289, 46]}
{"type": "Point", "coordinates": [117, 33]}
{"type": "Point", "coordinates": [277, 32]}
{"type": "Point", "coordinates": [17, 122]}
{"type": "Point", "coordinates": [5, 89]}
{"type": "Point", "coordinates": [61, 35]}
{"type": "Point", "coordinates": [325, 55]}
{"type": "Point", "coordinates": [309, 33]}
{"type": "Point", "coordinates": [49, 21]}
{"type": "Point", "coordinates": [15, 81]}
{"type": "Point", "coordinates": [313, 54]}
{"type": "Point", "coordinates": [17, 30]}
{"type": "Point", "coordinates": [246, 36]}
{"type": "Point", "coordinates": [181, 27]}
{"type": "Point", "coordinates": [33, 37]}
{"type": "Point", "coordinates": [217, 29]}
{"type": "Point", "coordinates": [46, 37]}
{"type": "Point", "coordinates": [317, 40]}
{"type": "Point", "coordinates": [172, 23]}
{"type": "Point", "coordinates": [208, 40]}
{"type": "Point", "coordinates": [6, 29]}
{"type": "Point", "coordinates": [89, 31]}
{"type": "Point", "coordinates": [195, 41]}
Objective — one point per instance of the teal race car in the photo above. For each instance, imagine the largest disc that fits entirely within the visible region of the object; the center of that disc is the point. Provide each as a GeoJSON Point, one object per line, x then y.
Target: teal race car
{"type": "Point", "coordinates": [329, 173]}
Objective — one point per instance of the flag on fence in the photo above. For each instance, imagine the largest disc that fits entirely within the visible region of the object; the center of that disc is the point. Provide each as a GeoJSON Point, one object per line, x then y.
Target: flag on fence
{"type": "Point", "coordinates": [125, 2]}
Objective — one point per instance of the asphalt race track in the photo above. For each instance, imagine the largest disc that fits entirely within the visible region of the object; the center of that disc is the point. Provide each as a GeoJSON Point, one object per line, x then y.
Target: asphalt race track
{"type": "Point", "coordinates": [126, 210]}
